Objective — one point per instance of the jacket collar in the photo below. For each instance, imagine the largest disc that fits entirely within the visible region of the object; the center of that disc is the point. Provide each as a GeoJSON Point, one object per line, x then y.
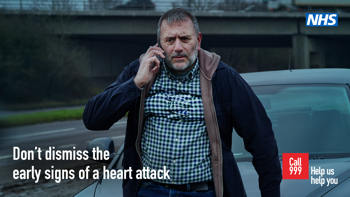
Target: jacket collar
{"type": "Point", "coordinates": [208, 63]}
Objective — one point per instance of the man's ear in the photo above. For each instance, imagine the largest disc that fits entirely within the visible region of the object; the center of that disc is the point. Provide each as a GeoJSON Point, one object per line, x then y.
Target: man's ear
{"type": "Point", "coordinates": [199, 40]}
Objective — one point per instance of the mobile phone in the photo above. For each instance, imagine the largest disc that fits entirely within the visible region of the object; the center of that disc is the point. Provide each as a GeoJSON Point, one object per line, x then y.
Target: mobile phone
{"type": "Point", "coordinates": [159, 58]}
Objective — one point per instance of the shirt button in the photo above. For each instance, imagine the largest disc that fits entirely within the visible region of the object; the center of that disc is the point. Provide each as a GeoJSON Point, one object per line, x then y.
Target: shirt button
{"type": "Point", "coordinates": [131, 94]}
{"type": "Point", "coordinates": [180, 83]}
{"type": "Point", "coordinates": [176, 139]}
{"type": "Point", "coordinates": [173, 182]}
{"type": "Point", "coordinates": [174, 161]}
{"type": "Point", "coordinates": [180, 120]}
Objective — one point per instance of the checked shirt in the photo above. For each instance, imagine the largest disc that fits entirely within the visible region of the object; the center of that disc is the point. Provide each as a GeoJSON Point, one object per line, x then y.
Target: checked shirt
{"type": "Point", "coordinates": [174, 133]}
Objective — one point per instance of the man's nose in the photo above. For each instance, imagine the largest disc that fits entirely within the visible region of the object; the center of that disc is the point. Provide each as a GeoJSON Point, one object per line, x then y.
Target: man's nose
{"type": "Point", "coordinates": [178, 46]}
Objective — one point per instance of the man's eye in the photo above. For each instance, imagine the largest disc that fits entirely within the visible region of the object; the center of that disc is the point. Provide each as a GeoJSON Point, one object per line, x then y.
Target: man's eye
{"type": "Point", "coordinates": [170, 40]}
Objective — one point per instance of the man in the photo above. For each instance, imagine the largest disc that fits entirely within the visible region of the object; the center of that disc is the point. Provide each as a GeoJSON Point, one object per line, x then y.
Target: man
{"type": "Point", "coordinates": [182, 110]}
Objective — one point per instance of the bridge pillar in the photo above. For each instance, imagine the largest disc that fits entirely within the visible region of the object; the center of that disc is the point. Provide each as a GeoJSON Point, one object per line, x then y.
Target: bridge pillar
{"type": "Point", "coordinates": [301, 52]}
{"type": "Point", "coordinates": [318, 52]}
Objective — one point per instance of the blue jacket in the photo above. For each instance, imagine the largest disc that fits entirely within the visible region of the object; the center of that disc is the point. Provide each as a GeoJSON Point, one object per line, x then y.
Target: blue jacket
{"type": "Point", "coordinates": [228, 102]}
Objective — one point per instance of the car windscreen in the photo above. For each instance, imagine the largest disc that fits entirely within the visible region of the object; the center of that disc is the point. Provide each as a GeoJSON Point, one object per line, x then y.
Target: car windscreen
{"type": "Point", "coordinates": [312, 119]}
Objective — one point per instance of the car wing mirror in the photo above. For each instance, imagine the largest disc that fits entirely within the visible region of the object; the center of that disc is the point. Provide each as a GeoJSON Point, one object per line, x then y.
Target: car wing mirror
{"type": "Point", "coordinates": [101, 144]}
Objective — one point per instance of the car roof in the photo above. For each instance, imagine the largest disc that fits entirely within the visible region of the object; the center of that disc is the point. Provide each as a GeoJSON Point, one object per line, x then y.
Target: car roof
{"type": "Point", "coordinates": [299, 76]}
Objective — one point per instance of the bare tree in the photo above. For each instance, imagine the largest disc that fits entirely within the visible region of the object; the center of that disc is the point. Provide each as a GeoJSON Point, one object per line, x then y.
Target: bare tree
{"type": "Point", "coordinates": [37, 64]}
{"type": "Point", "coordinates": [62, 5]}
{"type": "Point", "coordinates": [232, 5]}
{"type": "Point", "coordinates": [242, 5]}
{"type": "Point", "coordinates": [53, 5]}
{"type": "Point", "coordinates": [196, 5]}
{"type": "Point", "coordinates": [103, 4]}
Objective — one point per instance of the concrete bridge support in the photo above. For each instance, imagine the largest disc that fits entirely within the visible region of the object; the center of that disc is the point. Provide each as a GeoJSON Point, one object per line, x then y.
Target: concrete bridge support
{"type": "Point", "coordinates": [319, 52]}
{"type": "Point", "coordinates": [301, 54]}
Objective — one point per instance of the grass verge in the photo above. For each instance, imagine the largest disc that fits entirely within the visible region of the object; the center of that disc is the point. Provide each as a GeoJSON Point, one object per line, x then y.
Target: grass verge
{"type": "Point", "coordinates": [42, 105]}
{"type": "Point", "coordinates": [41, 117]}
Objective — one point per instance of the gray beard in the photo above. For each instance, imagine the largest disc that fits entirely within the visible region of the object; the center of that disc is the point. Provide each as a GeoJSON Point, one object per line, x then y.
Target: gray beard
{"type": "Point", "coordinates": [190, 62]}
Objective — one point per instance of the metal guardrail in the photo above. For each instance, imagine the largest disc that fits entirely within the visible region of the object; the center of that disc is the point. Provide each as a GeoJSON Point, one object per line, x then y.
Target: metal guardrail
{"type": "Point", "coordinates": [152, 5]}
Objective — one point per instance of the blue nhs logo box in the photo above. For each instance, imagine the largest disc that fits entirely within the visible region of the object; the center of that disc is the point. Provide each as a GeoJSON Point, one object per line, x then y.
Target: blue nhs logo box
{"type": "Point", "coordinates": [322, 19]}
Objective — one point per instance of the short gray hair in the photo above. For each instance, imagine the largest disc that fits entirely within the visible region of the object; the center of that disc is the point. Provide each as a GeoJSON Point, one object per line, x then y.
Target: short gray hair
{"type": "Point", "coordinates": [176, 15]}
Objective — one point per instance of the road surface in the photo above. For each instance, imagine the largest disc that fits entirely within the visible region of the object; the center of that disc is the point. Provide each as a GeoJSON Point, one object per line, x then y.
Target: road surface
{"type": "Point", "coordinates": [60, 135]}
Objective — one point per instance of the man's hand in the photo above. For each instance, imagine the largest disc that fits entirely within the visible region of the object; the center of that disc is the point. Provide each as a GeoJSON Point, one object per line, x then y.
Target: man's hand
{"type": "Point", "coordinates": [149, 66]}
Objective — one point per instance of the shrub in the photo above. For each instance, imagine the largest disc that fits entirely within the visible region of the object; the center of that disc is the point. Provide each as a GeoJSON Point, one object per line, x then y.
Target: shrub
{"type": "Point", "coordinates": [36, 65]}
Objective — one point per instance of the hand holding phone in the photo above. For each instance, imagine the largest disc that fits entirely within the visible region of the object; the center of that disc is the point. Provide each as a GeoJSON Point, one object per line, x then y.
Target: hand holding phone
{"type": "Point", "coordinates": [149, 65]}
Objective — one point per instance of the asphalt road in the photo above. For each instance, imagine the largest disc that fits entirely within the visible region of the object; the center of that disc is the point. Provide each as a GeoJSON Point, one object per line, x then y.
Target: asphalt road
{"type": "Point", "coordinates": [61, 135]}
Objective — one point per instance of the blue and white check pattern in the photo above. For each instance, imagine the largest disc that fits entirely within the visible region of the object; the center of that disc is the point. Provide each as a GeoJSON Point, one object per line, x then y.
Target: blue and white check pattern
{"type": "Point", "coordinates": [175, 133]}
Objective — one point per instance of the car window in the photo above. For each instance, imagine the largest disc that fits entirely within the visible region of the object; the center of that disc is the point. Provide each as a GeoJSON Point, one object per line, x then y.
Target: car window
{"type": "Point", "coordinates": [284, 98]}
{"type": "Point", "coordinates": [306, 118]}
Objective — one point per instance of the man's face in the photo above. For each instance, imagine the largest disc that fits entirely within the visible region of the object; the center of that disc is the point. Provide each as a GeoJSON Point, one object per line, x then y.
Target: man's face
{"type": "Point", "coordinates": [180, 44]}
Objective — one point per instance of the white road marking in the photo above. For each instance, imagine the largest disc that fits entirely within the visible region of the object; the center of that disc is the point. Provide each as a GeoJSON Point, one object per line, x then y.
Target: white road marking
{"type": "Point", "coordinates": [117, 137]}
{"type": "Point", "coordinates": [121, 122]}
{"type": "Point", "coordinates": [39, 133]}
{"type": "Point", "coordinates": [113, 138]}
{"type": "Point", "coordinates": [67, 146]}
{"type": "Point", "coordinates": [6, 156]}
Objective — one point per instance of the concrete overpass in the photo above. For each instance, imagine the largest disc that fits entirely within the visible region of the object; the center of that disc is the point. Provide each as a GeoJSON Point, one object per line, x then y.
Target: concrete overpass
{"type": "Point", "coordinates": [227, 29]}
{"type": "Point", "coordinates": [114, 38]}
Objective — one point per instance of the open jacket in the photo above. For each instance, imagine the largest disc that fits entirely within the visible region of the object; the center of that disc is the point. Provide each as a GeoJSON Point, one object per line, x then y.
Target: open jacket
{"type": "Point", "coordinates": [228, 103]}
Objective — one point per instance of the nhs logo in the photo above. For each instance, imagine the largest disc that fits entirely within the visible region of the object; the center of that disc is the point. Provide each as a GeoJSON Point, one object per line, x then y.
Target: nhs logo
{"type": "Point", "coordinates": [322, 19]}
